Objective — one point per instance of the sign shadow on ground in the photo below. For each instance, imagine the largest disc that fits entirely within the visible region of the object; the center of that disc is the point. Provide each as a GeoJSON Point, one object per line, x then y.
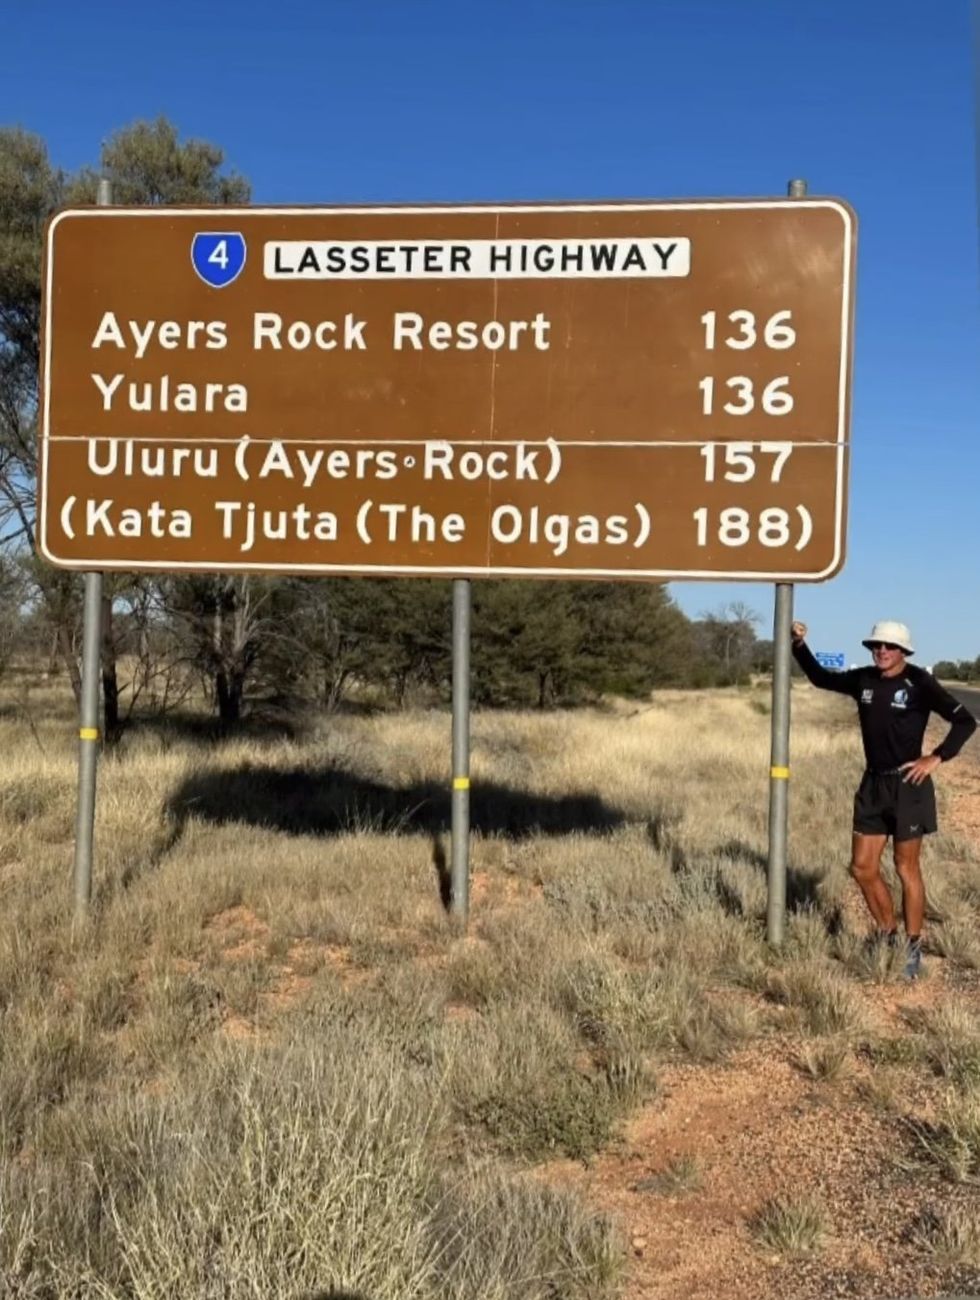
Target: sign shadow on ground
{"type": "Point", "coordinates": [802, 887]}
{"type": "Point", "coordinates": [330, 802]}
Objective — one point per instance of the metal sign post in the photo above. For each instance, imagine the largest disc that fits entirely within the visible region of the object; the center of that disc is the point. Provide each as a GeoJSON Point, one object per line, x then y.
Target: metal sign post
{"type": "Point", "coordinates": [779, 752]}
{"type": "Point", "coordinates": [779, 765]}
{"type": "Point", "coordinates": [460, 865]}
{"type": "Point", "coordinates": [88, 730]}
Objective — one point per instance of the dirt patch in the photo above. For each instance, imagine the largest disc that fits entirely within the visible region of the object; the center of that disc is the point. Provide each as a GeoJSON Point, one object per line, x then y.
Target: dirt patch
{"type": "Point", "coordinates": [241, 932]}
{"type": "Point", "coordinates": [237, 920]}
{"type": "Point", "coordinates": [757, 1127]}
{"type": "Point", "coordinates": [239, 1029]}
{"type": "Point", "coordinates": [752, 1130]}
{"type": "Point", "coordinates": [499, 890]}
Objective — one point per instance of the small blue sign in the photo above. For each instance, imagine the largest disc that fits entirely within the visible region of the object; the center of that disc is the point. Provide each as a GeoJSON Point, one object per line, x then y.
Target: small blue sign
{"type": "Point", "coordinates": [218, 256]}
{"type": "Point", "coordinates": [830, 658]}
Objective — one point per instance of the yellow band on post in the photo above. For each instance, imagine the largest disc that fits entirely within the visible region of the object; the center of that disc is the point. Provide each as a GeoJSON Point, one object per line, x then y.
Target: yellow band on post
{"type": "Point", "coordinates": [461, 782]}
{"type": "Point", "coordinates": [780, 773]}
{"type": "Point", "coordinates": [89, 733]}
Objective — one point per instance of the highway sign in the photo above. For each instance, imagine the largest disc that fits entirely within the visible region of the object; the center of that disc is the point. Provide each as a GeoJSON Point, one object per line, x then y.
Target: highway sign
{"type": "Point", "coordinates": [830, 658]}
{"type": "Point", "coordinates": [622, 390]}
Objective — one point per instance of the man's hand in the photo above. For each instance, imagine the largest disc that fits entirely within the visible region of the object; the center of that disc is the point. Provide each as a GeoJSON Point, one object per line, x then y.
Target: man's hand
{"type": "Point", "coordinates": [798, 632]}
{"type": "Point", "coordinates": [918, 769]}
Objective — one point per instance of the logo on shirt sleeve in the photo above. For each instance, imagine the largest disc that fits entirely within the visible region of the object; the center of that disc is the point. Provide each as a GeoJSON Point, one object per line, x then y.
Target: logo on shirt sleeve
{"type": "Point", "coordinates": [900, 699]}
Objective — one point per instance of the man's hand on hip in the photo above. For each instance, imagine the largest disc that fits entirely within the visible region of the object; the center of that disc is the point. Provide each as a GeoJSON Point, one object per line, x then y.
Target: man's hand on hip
{"type": "Point", "coordinates": [918, 769]}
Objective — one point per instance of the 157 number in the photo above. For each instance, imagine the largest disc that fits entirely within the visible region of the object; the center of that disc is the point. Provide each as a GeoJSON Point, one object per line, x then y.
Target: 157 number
{"type": "Point", "coordinates": [740, 462]}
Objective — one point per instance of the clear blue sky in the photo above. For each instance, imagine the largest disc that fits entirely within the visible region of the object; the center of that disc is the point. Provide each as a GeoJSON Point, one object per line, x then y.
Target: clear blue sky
{"type": "Point", "coordinates": [873, 100]}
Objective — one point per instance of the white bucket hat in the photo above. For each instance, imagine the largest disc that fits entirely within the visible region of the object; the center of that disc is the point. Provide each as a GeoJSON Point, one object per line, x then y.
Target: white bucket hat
{"type": "Point", "coordinates": [894, 633]}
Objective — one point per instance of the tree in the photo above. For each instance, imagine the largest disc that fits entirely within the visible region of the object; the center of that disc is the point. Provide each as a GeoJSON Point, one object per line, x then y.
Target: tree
{"type": "Point", "coordinates": [325, 641]}
{"type": "Point", "coordinates": [12, 590]}
{"type": "Point", "coordinates": [411, 622]}
{"type": "Point", "coordinates": [727, 637]}
{"type": "Point", "coordinates": [524, 642]}
{"type": "Point", "coordinates": [223, 621]}
{"type": "Point", "coordinates": [762, 655]}
{"type": "Point", "coordinates": [30, 190]}
{"type": "Point", "coordinates": [545, 643]}
{"type": "Point", "coordinates": [147, 164]}
{"type": "Point", "coordinates": [961, 670]}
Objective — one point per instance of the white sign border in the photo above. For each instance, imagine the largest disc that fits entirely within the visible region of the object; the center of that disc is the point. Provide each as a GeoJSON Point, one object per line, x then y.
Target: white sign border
{"type": "Point", "coordinates": [217, 214]}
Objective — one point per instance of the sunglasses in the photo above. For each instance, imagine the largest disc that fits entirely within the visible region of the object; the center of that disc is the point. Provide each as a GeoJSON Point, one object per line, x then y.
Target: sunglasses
{"type": "Point", "coordinates": [883, 645]}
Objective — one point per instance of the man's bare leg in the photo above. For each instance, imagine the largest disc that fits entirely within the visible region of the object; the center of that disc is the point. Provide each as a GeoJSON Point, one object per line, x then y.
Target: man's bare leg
{"type": "Point", "coordinates": [866, 854]}
{"type": "Point", "coordinates": [913, 890]}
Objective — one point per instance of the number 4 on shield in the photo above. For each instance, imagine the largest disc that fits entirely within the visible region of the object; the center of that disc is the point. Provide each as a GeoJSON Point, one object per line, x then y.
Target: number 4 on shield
{"type": "Point", "coordinates": [218, 256]}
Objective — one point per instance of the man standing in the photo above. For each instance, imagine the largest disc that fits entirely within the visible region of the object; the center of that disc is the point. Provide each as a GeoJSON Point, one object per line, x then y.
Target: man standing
{"type": "Point", "coordinates": [896, 795]}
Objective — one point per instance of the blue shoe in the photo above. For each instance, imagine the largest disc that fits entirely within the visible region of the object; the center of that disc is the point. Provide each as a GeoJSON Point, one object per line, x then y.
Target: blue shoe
{"type": "Point", "coordinates": [913, 960]}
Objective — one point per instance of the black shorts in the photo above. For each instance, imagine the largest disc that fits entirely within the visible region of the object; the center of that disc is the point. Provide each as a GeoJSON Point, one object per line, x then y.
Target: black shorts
{"type": "Point", "coordinates": [887, 805]}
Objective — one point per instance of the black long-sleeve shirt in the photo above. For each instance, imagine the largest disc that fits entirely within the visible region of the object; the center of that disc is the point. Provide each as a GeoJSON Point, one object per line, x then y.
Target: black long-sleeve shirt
{"type": "Point", "coordinates": [894, 710]}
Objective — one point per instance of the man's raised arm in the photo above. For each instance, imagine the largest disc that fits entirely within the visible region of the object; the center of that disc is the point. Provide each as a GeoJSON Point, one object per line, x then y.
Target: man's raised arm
{"type": "Point", "coordinates": [842, 683]}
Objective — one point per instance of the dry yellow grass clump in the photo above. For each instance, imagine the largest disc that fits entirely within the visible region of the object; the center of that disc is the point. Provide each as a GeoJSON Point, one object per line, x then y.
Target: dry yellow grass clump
{"type": "Point", "coordinates": [269, 1065]}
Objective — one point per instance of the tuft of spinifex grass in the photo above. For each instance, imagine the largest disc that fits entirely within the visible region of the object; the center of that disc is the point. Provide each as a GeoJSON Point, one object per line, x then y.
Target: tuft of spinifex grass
{"type": "Point", "coordinates": [952, 1142]}
{"type": "Point", "coordinates": [679, 1177]}
{"type": "Point", "coordinates": [825, 1060]}
{"type": "Point", "coordinates": [790, 1226]}
{"type": "Point", "coordinates": [957, 941]}
{"type": "Point", "coordinates": [950, 1040]}
{"type": "Point", "coordinates": [285, 1172]}
{"type": "Point", "coordinates": [826, 1002]}
{"type": "Point", "coordinates": [517, 1076]}
{"type": "Point", "coordinates": [951, 1235]}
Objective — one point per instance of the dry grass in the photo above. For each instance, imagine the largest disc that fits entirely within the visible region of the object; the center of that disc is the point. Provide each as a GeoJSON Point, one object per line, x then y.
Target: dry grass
{"type": "Point", "coordinates": [680, 1177]}
{"type": "Point", "coordinates": [951, 1142]}
{"type": "Point", "coordinates": [884, 1090]}
{"type": "Point", "coordinates": [793, 1227]}
{"type": "Point", "coordinates": [951, 1235]}
{"type": "Point", "coordinates": [950, 1039]}
{"type": "Point", "coordinates": [958, 941]}
{"type": "Point", "coordinates": [826, 1061]}
{"type": "Point", "coordinates": [826, 1003]}
{"type": "Point", "coordinates": [270, 1066]}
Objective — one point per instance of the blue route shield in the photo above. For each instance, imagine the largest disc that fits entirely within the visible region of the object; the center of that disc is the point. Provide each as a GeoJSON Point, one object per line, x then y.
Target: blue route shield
{"type": "Point", "coordinates": [218, 256]}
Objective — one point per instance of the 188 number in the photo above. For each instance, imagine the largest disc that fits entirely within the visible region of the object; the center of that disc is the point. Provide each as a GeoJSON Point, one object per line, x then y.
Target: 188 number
{"type": "Point", "coordinates": [737, 527]}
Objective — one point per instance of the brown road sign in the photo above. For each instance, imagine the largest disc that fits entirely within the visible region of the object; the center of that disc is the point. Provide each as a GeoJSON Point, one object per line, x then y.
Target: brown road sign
{"type": "Point", "coordinates": [647, 390]}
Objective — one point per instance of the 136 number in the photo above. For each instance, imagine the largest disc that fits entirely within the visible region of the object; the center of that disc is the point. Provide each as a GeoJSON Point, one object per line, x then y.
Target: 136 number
{"type": "Point", "coordinates": [777, 332]}
{"type": "Point", "coordinates": [775, 400]}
